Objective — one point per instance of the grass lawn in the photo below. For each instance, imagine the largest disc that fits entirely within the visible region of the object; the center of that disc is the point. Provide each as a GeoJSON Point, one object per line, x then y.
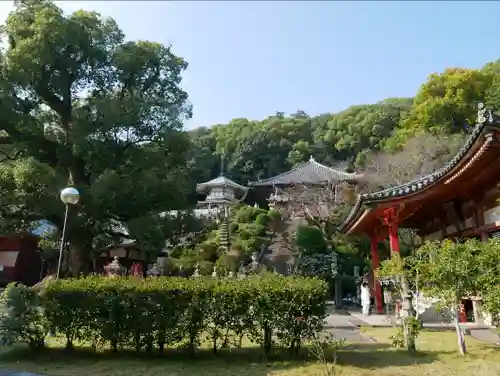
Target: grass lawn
{"type": "Point", "coordinates": [437, 357]}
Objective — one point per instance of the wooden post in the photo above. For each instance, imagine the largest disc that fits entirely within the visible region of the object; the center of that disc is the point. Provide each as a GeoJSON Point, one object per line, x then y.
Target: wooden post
{"type": "Point", "coordinates": [391, 221]}
{"type": "Point", "coordinates": [377, 289]}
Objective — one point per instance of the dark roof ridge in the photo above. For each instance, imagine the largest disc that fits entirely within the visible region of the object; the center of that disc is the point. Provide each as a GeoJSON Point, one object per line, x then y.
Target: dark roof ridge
{"type": "Point", "coordinates": [311, 162]}
{"type": "Point", "coordinates": [220, 180]}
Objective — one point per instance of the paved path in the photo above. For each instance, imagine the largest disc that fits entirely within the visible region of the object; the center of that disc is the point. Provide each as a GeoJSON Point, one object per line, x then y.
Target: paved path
{"type": "Point", "coordinates": [342, 326]}
{"type": "Point", "coordinates": [486, 335]}
{"type": "Point", "coordinates": [339, 319]}
{"type": "Point", "coordinates": [377, 320]}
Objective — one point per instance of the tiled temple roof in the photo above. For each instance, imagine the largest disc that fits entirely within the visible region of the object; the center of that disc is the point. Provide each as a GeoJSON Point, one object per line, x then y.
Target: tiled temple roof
{"type": "Point", "coordinates": [220, 181]}
{"type": "Point", "coordinates": [485, 118]}
{"type": "Point", "coordinates": [310, 172]}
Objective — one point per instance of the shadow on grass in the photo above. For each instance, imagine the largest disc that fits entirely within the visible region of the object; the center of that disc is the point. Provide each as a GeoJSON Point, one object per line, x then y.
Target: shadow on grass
{"type": "Point", "coordinates": [84, 362]}
{"type": "Point", "coordinates": [362, 355]}
{"type": "Point", "coordinates": [381, 355]}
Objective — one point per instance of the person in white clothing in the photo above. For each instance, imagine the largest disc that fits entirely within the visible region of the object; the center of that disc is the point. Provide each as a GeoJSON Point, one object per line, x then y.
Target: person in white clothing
{"type": "Point", "coordinates": [365, 298]}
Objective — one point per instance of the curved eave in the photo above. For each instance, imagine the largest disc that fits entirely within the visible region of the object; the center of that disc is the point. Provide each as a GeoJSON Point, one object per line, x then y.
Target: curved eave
{"type": "Point", "coordinates": [466, 153]}
{"type": "Point", "coordinates": [265, 183]}
{"type": "Point", "coordinates": [204, 187]}
{"type": "Point", "coordinates": [280, 180]}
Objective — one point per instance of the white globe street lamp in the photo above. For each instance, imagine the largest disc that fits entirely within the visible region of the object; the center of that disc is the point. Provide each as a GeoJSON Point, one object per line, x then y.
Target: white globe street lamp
{"type": "Point", "coordinates": [69, 196]}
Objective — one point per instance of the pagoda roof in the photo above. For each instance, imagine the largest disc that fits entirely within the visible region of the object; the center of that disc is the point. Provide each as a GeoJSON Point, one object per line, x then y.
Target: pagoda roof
{"type": "Point", "coordinates": [476, 147]}
{"type": "Point", "coordinates": [310, 172]}
{"type": "Point", "coordinates": [220, 182]}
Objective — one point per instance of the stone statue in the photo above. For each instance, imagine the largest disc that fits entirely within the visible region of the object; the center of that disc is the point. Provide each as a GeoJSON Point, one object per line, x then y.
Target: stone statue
{"type": "Point", "coordinates": [231, 274]}
{"type": "Point", "coordinates": [214, 273]}
{"type": "Point", "coordinates": [254, 266]}
{"type": "Point", "coordinates": [241, 271]}
{"type": "Point", "coordinates": [483, 114]}
{"type": "Point", "coordinates": [153, 270]}
{"type": "Point", "coordinates": [114, 268]}
{"type": "Point", "coordinates": [290, 266]}
{"type": "Point", "coordinates": [196, 273]}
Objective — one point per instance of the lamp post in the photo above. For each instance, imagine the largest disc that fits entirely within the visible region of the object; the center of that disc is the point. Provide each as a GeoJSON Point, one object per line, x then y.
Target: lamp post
{"type": "Point", "coordinates": [69, 196]}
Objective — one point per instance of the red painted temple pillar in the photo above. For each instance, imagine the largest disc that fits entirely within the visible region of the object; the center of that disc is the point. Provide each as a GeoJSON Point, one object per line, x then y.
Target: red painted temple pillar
{"type": "Point", "coordinates": [377, 289]}
{"type": "Point", "coordinates": [391, 221]}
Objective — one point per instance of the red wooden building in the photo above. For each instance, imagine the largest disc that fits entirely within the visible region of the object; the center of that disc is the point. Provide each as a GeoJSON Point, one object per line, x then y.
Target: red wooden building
{"type": "Point", "coordinates": [459, 200]}
{"type": "Point", "coordinates": [20, 260]}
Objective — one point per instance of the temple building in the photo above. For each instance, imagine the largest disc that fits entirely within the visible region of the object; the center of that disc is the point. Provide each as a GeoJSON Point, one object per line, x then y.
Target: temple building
{"type": "Point", "coordinates": [460, 200]}
{"type": "Point", "coordinates": [308, 186]}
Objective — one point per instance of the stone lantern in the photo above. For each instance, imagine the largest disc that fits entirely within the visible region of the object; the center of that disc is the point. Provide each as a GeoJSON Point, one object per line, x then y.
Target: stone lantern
{"type": "Point", "coordinates": [214, 273]}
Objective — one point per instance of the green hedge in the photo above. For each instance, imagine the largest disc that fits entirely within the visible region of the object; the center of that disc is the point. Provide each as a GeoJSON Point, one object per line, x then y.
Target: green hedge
{"type": "Point", "coordinates": [165, 312]}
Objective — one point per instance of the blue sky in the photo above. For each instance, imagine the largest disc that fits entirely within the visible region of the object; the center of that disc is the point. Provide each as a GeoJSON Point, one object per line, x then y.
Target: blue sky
{"type": "Point", "coordinates": [251, 59]}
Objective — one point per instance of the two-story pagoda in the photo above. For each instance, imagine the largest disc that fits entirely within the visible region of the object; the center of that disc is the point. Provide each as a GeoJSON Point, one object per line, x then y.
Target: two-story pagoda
{"type": "Point", "coordinates": [220, 193]}
{"type": "Point", "coordinates": [306, 183]}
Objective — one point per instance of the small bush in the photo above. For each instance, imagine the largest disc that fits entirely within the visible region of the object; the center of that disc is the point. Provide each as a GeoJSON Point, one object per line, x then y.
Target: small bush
{"type": "Point", "coordinates": [163, 312]}
{"type": "Point", "coordinates": [311, 240]}
{"type": "Point", "coordinates": [262, 219]}
{"type": "Point", "coordinates": [247, 214]}
{"type": "Point", "coordinates": [233, 227]}
{"type": "Point", "coordinates": [274, 215]}
{"type": "Point", "coordinates": [23, 320]}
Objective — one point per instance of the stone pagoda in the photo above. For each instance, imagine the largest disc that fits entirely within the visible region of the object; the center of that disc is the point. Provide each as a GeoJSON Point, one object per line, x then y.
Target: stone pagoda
{"type": "Point", "coordinates": [220, 194]}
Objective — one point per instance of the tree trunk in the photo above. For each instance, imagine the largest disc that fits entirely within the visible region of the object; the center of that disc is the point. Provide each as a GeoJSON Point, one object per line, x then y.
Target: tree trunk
{"type": "Point", "coordinates": [338, 292]}
{"type": "Point", "coordinates": [79, 258]}
{"type": "Point", "coordinates": [407, 310]}
{"type": "Point", "coordinates": [460, 335]}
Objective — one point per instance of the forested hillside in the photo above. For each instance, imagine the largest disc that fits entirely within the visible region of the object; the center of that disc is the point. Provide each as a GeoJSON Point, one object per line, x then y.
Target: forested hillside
{"type": "Point", "coordinates": [445, 105]}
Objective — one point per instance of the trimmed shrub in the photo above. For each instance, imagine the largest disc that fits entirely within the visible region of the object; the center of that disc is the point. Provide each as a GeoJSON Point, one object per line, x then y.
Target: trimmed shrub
{"type": "Point", "coordinates": [23, 319]}
{"type": "Point", "coordinates": [262, 219]}
{"type": "Point", "coordinates": [166, 312]}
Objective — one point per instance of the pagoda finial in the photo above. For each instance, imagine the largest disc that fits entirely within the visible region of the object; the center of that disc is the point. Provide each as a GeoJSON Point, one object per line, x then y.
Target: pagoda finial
{"type": "Point", "coordinates": [222, 164]}
{"type": "Point", "coordinates": [311, 159]}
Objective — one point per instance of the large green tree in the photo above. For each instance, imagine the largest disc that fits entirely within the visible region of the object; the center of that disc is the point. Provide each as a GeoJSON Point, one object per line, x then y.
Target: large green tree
{"type": "Point", "coordinates": [81, 106]}
{"type": "Point", "coordinates": [446, 103]}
